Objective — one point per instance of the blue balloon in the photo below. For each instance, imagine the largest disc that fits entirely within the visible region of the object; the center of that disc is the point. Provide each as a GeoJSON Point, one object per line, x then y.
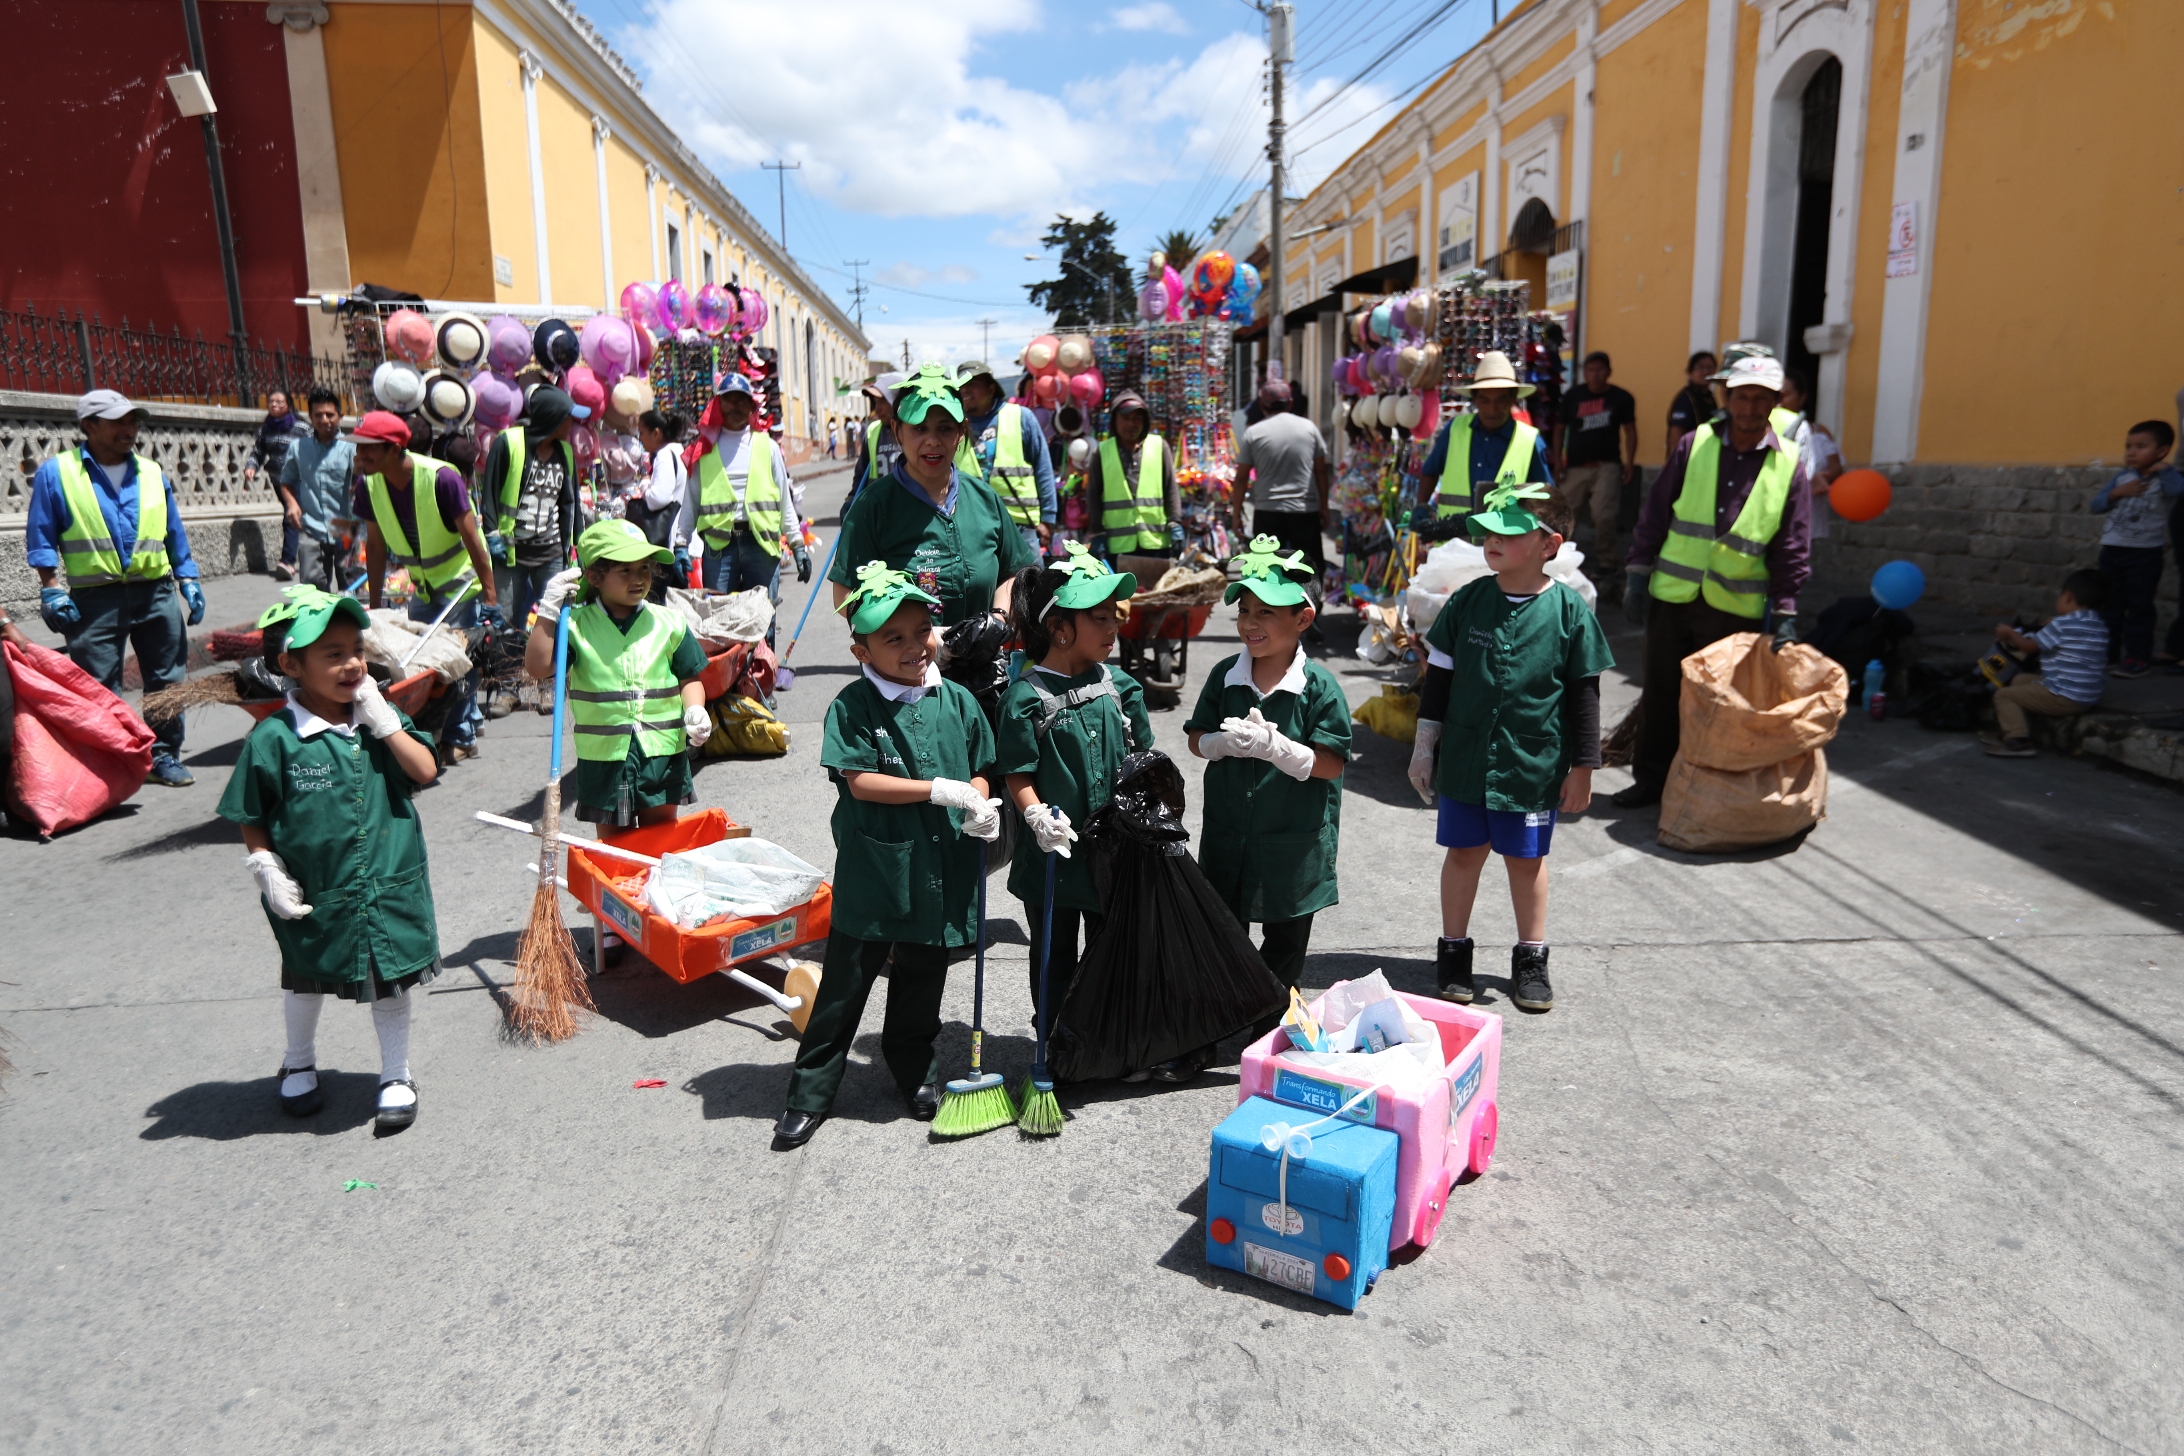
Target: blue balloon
{"type": "Point", "coordinates": [1898, 584]}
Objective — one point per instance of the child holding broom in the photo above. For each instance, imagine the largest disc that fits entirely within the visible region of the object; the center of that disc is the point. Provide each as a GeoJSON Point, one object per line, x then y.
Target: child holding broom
{"type": "Point", "coordinates": [1274, 727]}
{"type": "Point", "coordinates": [910, 754]}
{"type": "Point", "coordinates": [323, 795]}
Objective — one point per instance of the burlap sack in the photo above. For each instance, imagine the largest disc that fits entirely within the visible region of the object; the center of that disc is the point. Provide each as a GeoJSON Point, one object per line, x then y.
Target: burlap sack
{"type": "Point", "coordinates": [1749, 770]}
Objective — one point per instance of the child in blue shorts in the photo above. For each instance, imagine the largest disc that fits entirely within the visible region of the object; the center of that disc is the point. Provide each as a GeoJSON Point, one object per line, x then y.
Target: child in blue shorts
{"type": "Point", "coordinates": [1512, 700]}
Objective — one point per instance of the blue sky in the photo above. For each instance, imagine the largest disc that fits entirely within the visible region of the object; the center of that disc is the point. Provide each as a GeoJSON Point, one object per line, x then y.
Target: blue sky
{"type": "Point", "coordinates": [938, 141]}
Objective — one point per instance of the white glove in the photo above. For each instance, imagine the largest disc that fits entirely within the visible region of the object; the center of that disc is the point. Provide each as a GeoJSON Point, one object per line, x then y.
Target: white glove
{"type": "Point", "coordinates": [1050, 826]}
{"type": "Point", "coordinates": [1215, 746]}
{"type": "Point", "coordinates": [373, 713]}
{"type": "Point", "coordinates": [283, 896]}
{"type": "Point", "coordinates": [559, 588]}
{"type": "Point", "coordinates": [1249, 736]}
{"type": "Point", "coordinates": [697, 725]}
{"type": "Point", "coordinates": [981, 817]}
{"type": "Point", "coordinates": [1421, 758]}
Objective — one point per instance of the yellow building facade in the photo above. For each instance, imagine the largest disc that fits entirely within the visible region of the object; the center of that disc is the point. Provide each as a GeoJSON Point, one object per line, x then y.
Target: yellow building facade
{"type": "Point", "coordinates": [500, 151]}
{"type": "Point", "coordinates": [1940, 209]}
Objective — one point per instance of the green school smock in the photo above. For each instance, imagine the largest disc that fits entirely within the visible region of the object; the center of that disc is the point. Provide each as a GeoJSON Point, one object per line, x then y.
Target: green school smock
{"type": "Point", "coordinates": [652, 781]}
{"type": "Point", "coordinates": [1074, 771]}
{"type": "Point", "coordinates": [339, 812]}
{"type": "Point", "coordinates": [1502, 744]}
{"type": "Point", "coordinates": [960, 556]}
{"type": "Point", "coordinates": [906, 872]}
{"type": "Point", "coordinates": [1266, 842]}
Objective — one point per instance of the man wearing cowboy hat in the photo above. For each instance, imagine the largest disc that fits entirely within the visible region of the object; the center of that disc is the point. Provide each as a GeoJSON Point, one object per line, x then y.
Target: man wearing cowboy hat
{"type": "Point", "coordinates": [1004, 446]}
{"type": "Point", "coordinates": [745, 501]}
{"type": "Point", "coordinates": [1723, 542]}
{"type": "Point", "coordinates": [1477, 451]}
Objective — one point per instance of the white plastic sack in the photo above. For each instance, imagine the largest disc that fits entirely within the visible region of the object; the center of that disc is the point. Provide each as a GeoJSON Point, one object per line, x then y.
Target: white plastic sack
{"type": "Point", "coordinates": [734, 879]}
{"type": "Point", "coordinates": [736, 617]}
{"type": "Point", "coordinates": [1455, 564]}
{"type": "Point", "coordinates": [1348, 1008]}
{"type": "Point", "coordinates": [393, 637]}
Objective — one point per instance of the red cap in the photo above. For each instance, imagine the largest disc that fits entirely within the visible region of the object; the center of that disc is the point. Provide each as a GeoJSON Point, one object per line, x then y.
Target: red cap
{"type": "Point", "coordinates": [380, 427]}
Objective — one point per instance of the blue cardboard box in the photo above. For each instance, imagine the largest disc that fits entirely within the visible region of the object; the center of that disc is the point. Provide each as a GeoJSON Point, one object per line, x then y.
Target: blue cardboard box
{"type": "Point", "coordinates": [1331, 1241]}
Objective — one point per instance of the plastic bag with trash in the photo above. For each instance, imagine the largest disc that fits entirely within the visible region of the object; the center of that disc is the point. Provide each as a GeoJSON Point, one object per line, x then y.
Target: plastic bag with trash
{"type": "Point", "coordinates": [1375, 1034]}
{"type": "Point", "coordinates": [734, 879]}
{"type": "Point", "coordinates": [736, 617]}
{"type": "Point", "coordinates": [394, 638]}
{"type": "Point", "coordinates": [1453, 564]}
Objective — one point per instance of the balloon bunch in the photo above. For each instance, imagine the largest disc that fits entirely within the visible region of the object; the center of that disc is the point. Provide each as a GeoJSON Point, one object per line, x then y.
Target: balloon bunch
{"type": "Point", "coordinates": [1160, 300]}
{"type": "Point", "coordinates": [1221, 287]}
{"type": "Point", "coordinates": [1393, 382]}
{"type": "Point", "coordinates": [1063, 372]}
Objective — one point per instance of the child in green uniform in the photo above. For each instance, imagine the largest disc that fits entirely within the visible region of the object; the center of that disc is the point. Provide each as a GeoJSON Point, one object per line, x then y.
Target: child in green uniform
{"type": "Point", "coordinates": [634, 693]}
{"type": "Point", "coordinates": [910, 754]}
{"type": "Point", "coordinates": [1065, 726]}
{"type": "Point", "coordinates": [322, 792]}
{"type": "Point", "coordinates": [1275, 730]}
{"type": "Point", "coordinates": [1513, 668]}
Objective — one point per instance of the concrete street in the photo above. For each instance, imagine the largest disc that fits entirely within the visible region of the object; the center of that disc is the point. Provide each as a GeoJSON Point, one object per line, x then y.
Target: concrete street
{"type": "Point", "coordinates": [1871, 1143]}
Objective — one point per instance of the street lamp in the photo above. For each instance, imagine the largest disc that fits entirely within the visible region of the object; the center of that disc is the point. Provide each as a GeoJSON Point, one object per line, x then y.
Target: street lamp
{"type": "Point", "coordinates": [1106, 283]}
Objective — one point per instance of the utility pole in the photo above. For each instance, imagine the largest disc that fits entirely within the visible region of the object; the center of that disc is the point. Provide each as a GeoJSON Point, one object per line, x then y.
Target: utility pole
{"type": "Point", "coordinates": [1280, 51]}
{"type": "Point", "coordinates": [985, 347]}
{"type": "Point", "coordinates": [219, 180]}
{"type": "Point", "coordinates": [858, 290]}
{"type": "Point", "coordinates": [906, 356]}
{"type": "Point", "coordinates": [781, 171]}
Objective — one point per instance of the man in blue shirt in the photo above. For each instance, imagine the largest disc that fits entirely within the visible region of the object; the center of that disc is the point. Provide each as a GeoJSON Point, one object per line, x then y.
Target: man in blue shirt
{"type": "Point", "coordinates": [128, 562]}
{"type": "Point", "coordinates": [315, 479]}
{"type": "Point", "coordinates": [983, 408]}
{"type": "Point", "coordinates": [1492, 426]}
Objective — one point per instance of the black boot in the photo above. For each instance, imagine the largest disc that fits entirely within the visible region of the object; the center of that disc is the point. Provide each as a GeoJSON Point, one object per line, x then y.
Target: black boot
{"type": "Point", "coordinates": [1638, 795]}
{"type": "Point", "coordinates": [1452, 967]}
{"type": "Point", "coordinates": [1528, 983]}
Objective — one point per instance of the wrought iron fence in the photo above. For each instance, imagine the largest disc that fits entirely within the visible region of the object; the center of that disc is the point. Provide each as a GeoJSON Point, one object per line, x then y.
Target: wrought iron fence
{"type": "Point", "coordinates": [53, 353]}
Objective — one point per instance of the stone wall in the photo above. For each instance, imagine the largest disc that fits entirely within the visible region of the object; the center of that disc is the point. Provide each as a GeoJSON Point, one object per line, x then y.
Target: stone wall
{"type": "Point", "coordinates": [233, 526]}
{"type": "Point", "coordinates": [1992, 539]}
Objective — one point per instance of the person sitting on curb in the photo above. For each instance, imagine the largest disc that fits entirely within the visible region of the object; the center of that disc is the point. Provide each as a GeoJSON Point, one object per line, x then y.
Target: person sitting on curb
{"type": "Point", "coordinates": [2073, 650]}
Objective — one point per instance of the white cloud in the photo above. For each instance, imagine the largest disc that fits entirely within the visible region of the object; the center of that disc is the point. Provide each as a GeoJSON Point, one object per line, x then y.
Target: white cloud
{"type": "Point", "coordinates": [910, 275]}
{"type": "Point", "coordinates": [1156, 16]}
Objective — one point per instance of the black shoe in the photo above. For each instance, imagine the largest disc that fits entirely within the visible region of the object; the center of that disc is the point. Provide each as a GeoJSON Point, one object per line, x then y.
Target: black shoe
{"type": "Point", "coordinates": [1452, 968]}
{"type": "Point", "coordinates": [1637, 796]}
{"type": "Point", "coordinates": [393, 1119]}
{"type": "Point", "coordinates": [1529, 986]}
{"type": "Point", "coordinates": [1177, 1070]}
{"type": "Point", "coordinates": [925, 1102]}
{"type": "Point", "coordinates": [795, 1129]}
{"type": "Point", "coordinates": [303, 1106]}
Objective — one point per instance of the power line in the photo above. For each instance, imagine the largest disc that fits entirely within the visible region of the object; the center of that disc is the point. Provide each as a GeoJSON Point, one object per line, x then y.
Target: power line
{"type": "Point", "coordinates": [1394, 48]}
{"type": "Point", "coordinates": [858, 291]}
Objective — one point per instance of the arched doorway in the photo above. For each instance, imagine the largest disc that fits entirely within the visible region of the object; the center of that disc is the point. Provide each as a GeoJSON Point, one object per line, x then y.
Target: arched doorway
{"type": "Point", "coordinates": [1819, 107]}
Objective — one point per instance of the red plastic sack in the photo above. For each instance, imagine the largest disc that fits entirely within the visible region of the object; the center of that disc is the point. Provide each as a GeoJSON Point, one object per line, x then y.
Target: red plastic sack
{"type": "Point", "coordinates": [79, 750]}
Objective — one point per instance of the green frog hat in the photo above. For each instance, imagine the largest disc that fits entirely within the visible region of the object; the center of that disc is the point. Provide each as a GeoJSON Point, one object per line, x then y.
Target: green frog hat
{"type": "Point", "coordinates": [616, 539]}
{"type": "Point", "coordinates": [308, 611]}
{"type": "Point", "coordinates": [881, 591]}
{"type": "Point", "coordinates": [1091, 581]}
{"type": "Point", "coordinates": [931, 386]}
{"type": "Point", "coordinates": [1505, 514]}
{"type": "Point", "coordinates": [1273, 578]}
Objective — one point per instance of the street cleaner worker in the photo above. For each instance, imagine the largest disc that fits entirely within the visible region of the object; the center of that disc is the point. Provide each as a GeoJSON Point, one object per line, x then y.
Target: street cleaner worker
{"type": "Point", "coordinates": [1274, 728]}
{"type": "Point", "coordinates": [532, 471]}
{"type": "Point", "coordinates": [743, 499]}
{"type": "Point", "coordinates": [1004, 446]}
{"type": "Point", "coordinates": [417, 514]}
{"type": "Point", "coordinates": [1512, 702]}
{"type": "Point", "coordinates": [1723, 544]}
{"type": "Point", "coordinates": [1475, 452]}
{"type": "Point", "coordinates": [323, 792]}
{"type": "Point", "coordinates": [107, 515]}
{"type": "Point", "coordinates": [1134, 498]}
{"type": "Point", "coordinates": [911, 756]}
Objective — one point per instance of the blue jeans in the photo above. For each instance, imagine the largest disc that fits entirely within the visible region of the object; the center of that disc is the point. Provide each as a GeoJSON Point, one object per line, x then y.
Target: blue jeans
{"type": "Point", "coordinates": [291, 542]}
{"type": "Point", "coordinates": [740, 565]}
{"type": "Point", "coordinates": [146, 615]}
{"type": "Point", "coordinates": [522, 587]}
{"type": "Point", "coordinates": [460, 728]}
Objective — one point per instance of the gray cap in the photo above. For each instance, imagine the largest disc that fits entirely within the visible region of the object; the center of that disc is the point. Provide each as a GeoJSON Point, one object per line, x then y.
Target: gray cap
{"type": "Point", "coordinates": [107, 404]}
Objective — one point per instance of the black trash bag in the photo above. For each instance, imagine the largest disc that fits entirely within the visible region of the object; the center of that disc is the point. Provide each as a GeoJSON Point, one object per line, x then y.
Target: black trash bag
{"type": "Point", "coordinates": [1857, 630]}
{"type": "Point", "coordinates": [256, 682]}
{"type": "Point", "coordinates": [1170, 970]}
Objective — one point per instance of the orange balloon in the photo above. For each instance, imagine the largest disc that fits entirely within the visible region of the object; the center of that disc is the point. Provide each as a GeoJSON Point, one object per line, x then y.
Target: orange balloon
{"type": "Point", "coordinates": [1860, 495]}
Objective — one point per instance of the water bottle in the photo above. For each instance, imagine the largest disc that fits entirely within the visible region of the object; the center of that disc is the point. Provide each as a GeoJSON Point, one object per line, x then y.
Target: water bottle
{"type": "Point", "coordinates": [1873, 688]}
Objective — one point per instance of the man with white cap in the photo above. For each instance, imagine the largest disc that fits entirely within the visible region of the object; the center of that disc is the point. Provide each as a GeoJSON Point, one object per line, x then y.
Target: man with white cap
{"type": "Point", "coordinates": [745, 501]}
{"type": "Point", "coordinates": [1477, 451]}
{"type": "Point", "coordinates": [108, 516]}
{"type": "Point", "coordinates": [876, 459]}
{"type": "Point", "coordinates": [1004, 446]}
{"type": "Point", "coordinates": [1724, 541]}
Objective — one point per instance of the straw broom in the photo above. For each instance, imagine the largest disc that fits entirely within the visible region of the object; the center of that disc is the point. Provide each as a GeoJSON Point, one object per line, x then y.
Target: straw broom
{"type": "Point", "coordinates": [549, 978]}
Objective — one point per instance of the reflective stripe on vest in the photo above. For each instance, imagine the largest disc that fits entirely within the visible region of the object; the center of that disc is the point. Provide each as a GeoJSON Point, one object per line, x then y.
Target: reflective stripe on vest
{"type": "Point", "coordinates": [1014, 481]}
{"type": "Point", "coordinates": [439, 556]}
{"type": "Point", "coordinates": [1139, 524]}
{"type": "Point", "coordinates": [1731, 567]}
{"type": "Point", "coordinates": [88, 554]}
{"type": "Point", "coordinates": [1454, 496]}
{"type": "Point", "coordinates": [628, 685]}
{"type": "Point", "coordinates": [511, 489]}
{"type": "Point", "coordinates": [716, 519]}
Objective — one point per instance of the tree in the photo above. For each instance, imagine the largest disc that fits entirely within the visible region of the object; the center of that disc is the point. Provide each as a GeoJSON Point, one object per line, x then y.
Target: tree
{"type": "Point", "coordinates": [1095, 282]}
{"type": "Point", "coordinates": [1181, 248]}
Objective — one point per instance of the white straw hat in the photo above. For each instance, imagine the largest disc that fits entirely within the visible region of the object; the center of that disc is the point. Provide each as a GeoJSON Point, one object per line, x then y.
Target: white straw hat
{"type": "Point", "coordinates": [1494, 372]}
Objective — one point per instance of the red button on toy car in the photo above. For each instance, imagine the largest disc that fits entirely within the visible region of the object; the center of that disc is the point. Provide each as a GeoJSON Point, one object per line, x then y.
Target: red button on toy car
{"type": "Point", "coordinates": [1223, 1231]}
{"type": "Point", "coordinates": [1337, 1267]}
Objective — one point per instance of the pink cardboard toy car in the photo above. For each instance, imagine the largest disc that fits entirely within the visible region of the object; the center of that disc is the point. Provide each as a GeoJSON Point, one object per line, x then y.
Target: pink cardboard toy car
{"type": "Point", "coordinates": [1445, 1129]}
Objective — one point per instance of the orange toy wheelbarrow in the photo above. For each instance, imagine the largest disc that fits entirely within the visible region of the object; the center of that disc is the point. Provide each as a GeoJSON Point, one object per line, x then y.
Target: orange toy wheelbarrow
{"type": "Point", "coordinates": [409, 695]}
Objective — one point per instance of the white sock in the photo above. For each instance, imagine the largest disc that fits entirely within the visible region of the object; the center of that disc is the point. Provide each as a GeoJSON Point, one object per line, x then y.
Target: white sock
{"type": "Point", "coordinates": [301, 1011]}
{"type": "Point", "coordinates": [391, 1019]}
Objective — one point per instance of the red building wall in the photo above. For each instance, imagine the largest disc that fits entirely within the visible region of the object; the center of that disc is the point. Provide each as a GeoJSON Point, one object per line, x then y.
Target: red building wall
{"type": "Point", "coordinates": [105, 200]}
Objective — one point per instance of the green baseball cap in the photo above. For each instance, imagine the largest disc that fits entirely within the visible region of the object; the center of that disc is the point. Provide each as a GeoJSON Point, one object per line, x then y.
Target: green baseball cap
{"type": "Point", "coordinates": [930, 386]}
{"type": "Point", "coordinates": [1091, 581]}
{"type": "Point", "coordinates": [1273, 578]}
{"type": "Point", "coordinates": [881, 591]}
{"type": "Point", "coordinates": [615, 539]}
{"type": "Point", "coordinates": [1504, 511]}
{"type": "Point", "coordinates": [309, 610]}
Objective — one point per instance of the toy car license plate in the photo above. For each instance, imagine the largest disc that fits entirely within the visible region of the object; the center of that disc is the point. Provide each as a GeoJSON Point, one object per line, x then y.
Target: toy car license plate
{"type": "Point", "coordinates": [763, 939]}
{"type": "Point", "coordinates": [1276, 1267]}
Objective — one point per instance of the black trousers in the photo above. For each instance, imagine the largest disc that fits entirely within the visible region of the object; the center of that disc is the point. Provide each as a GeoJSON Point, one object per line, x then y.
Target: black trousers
{"type": "Point", "coordinates": [1674, 630]}
{"type": "Point", "coordinates": [914, 985]}
{"type": "Point", "coordinates": [1067, 923]}
{"type": "Point", "coordinates": [1283, 945]}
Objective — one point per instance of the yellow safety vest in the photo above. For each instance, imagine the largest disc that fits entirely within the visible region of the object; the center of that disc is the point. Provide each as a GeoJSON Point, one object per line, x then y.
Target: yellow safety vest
{"type": "Point", "coordinates": [438, 557]}
{"type": "Point", "coordinates": [1730, 567]}
{"type": "Point", "coordinates": [88, 554]}
{"type": "Point", "coordinates": [1137, 523]}
{"type": "Point", "coordinates": [1014, 481]}
{"type": "Point", "coordinates": [872, 449]}
{"type": "Point", "coordinates": [622, 685]}
{"type": "Point", "coordinates": [716, 520]}
{"type": "Point", "coordinates": [1454, 496]}
{"type": "Point", "coordinates": [512, 483]}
